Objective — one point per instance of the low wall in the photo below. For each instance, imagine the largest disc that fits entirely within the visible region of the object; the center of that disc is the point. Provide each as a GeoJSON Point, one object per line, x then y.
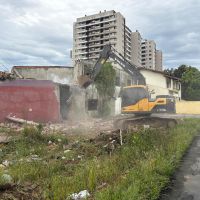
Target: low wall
{"type": "Point", "coordinates": [188, 107]}
{"type": "Point", "coordinates": [29, 99]}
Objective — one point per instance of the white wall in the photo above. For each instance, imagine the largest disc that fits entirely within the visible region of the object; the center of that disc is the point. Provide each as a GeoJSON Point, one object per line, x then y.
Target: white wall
{"type": "Point", "coordinates": [158, 82]}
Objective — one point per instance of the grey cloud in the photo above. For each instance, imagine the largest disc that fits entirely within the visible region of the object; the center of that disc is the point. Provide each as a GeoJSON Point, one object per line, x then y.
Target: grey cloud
{"type": "Point", "coordinates": [40, 31]}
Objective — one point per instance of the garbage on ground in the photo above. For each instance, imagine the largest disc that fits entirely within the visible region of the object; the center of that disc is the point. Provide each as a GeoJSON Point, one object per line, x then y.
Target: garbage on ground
{"type": "Point", "coordinates": [35, 157]}
{"type": "Point", "coordinates": [81, 195]}
{"type": "Point", "coordinates": [6, 163]}
{"type": "Point", "coordinates": [66, 151]}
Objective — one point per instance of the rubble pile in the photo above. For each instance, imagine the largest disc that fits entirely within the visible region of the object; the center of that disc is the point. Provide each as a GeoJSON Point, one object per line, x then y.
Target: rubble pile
{"type": "Point", "coordinates": [89, 127]}
{"type": "Point", "coordinates": [6, 76]}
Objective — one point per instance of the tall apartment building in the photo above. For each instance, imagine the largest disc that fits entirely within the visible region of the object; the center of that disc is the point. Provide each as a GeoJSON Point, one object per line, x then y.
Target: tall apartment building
{"type": "Point", "coordinates": [148, 54]}
{"type": "Point", "coordinates": [136, 40]}
{"type": "Point", "coordinates": [92, 32]}
{"type": "Point", "coordinates": [150, 57]}
{"type": "Point", "coordinates": [158, 60]}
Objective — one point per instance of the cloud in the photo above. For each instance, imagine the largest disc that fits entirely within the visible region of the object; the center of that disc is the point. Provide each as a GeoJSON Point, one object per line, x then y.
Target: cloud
{"type": "Point", "coordinates": [39, 32]}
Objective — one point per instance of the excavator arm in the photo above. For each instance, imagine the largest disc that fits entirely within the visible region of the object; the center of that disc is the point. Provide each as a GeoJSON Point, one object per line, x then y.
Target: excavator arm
{"type": "Point", "coordinates": [105, 54]}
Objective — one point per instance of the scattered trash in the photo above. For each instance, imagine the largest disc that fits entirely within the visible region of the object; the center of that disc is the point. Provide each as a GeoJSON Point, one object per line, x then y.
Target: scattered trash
{"type": "Point", "coordinates": [6, 163]}
{"type": "Point", "coordinates": [50, 142]}
{"type": "Point", "coordinates": [59, 140]}
{"type": "Point", "coordinates": [146, 126]}
{"type": "Point", "coordinates": [67, 151]}
{"type": "Point", "coordinates": [63, 158]}
{"type": "Point", "coordinates": [80, 157]}
{"type": "Point", "coordinates": [81, 195]}
{"type": "Point", "coordinates": [35, 157]}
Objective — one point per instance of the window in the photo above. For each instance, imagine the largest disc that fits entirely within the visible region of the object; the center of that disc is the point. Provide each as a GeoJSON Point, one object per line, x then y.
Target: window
{"type": "Point", "coordinates": [117, 81]}
{"type": "Point", "coordinates": [168, 81]}
{"type": "Point", "coordinates": [92, 104]}
{"type": "Point", "coordinates": [128, 82]}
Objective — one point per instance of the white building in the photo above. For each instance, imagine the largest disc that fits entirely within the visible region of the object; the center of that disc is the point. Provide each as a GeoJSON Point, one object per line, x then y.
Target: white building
{"type": "Point", "coordinates": [161, 83]}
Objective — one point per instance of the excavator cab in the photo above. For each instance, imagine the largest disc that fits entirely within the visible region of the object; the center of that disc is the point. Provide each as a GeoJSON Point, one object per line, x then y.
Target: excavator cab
{"type": "Point", "coordinates": [136, 100]}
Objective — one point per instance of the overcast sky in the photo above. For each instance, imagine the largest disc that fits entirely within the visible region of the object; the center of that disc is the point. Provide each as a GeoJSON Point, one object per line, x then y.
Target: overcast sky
{"type": "Point", "coordinates": [39, 32]}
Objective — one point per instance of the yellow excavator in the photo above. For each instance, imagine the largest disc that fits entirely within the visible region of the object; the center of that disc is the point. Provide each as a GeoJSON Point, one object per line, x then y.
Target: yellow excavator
{"type": "Point", "coordinates": [135, 98]}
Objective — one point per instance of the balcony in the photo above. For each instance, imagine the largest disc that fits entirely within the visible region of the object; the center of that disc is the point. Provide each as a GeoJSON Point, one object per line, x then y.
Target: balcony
{"type": "Point", "coordinates": [95, 23]}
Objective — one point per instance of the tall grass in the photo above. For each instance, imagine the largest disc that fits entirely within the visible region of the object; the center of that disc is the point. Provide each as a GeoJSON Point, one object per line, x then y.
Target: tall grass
{"type": "Point", "coordinates": [139, 169]}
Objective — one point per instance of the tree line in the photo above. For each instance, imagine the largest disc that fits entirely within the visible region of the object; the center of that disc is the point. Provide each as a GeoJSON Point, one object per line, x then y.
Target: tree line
{"type": "Point", "coordinates": [190, 81]}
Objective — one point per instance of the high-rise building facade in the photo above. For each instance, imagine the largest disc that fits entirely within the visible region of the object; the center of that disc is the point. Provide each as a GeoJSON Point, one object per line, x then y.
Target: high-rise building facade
{"type": "Point", "coordinates": [158, 60]}
{"type": "Point", "coordinates": [91, 33]}
{"type": "Point", "coordinates": [148, 51]}
{"type": "Point", "coordinates": [136, 40]}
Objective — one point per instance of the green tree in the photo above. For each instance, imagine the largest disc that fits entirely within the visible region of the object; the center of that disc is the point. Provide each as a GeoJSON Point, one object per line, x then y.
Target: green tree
{"type": "Point", "coordinates": [105, 84]}
{"type": "Point", "coordinates": [180, 71]}
{"type": "Point", "coordinates": [190, 81]}
{"type": "Point", "coordinates": [191, 84]}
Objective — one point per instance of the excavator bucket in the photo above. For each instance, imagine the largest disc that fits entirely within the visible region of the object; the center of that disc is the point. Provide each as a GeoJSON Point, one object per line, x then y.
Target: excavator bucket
{"type": "Point", "coordinates": [84, 81]}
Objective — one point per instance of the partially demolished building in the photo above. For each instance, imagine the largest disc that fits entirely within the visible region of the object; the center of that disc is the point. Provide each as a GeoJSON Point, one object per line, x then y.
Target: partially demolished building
{"type": "Point", "coordinates": [36, 100]}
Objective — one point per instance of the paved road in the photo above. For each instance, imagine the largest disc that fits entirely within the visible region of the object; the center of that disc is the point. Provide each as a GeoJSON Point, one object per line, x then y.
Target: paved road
{"type": "Point", "coordinates": [186, 185]}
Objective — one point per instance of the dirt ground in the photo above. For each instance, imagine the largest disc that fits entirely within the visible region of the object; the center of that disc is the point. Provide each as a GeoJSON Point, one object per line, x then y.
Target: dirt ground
{"type": "Point", "coordinates": [186, 182]}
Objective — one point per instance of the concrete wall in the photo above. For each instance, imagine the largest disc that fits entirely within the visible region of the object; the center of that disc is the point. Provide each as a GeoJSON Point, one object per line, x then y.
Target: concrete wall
{"type": "Point", "coordinates": [158, 82]}
{"type": "Point", "coordinates": [30, 99]}
{"type": "Point", "coordinates": [188, 107]}
{"type": "Point", "coordinates": [63, 75]}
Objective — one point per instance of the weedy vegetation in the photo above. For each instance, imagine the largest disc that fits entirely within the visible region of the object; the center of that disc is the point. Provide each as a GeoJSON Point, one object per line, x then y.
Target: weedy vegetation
{"type": "Point", "coordinates": [139, 169]}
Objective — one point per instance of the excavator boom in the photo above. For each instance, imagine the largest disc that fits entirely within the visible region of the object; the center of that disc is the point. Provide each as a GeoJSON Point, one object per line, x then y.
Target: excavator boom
{"type": "Point", "coordinates": [110, 52]}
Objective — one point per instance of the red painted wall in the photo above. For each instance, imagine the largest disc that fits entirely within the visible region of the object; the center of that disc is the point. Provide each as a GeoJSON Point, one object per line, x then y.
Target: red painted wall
{"type": "Point", "coordinates": [29, 99]}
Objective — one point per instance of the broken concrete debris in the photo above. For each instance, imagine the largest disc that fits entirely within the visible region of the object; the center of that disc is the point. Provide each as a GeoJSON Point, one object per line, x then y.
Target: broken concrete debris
{"type": "Point", "coordinates": [19, 120]}
{"type": "Point", "coordinates": [6, 76]}
{"type": "Point", "coordinates": [4, 139]}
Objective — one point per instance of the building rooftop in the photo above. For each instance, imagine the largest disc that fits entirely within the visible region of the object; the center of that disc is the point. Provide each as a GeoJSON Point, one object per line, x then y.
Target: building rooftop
{"type": "Point", "coordinates": [33, 67]}
{"type": "Point", "coordinates": [159, 72]}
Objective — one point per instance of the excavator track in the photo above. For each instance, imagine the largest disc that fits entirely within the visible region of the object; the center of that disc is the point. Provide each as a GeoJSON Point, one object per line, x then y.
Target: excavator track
{"type": "Point", "coordinates": [134, 123]}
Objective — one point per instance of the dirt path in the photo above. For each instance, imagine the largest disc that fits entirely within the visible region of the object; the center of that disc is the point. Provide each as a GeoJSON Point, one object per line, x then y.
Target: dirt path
{"type": "Point", "coordinates": [186, 183]}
